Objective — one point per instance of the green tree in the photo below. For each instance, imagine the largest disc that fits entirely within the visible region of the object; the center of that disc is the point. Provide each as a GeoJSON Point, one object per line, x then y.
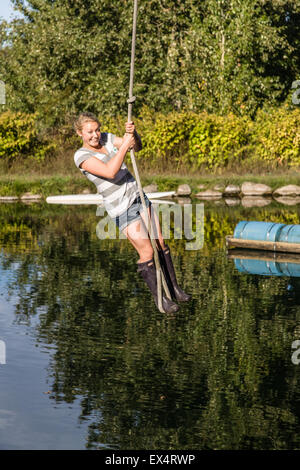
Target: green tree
{"type": "Point", "coordinates": [213, 55]}
{"type": "Point", "coordinates": [56, 54]}
{"type": "Point", "coordinates": [245, 53]}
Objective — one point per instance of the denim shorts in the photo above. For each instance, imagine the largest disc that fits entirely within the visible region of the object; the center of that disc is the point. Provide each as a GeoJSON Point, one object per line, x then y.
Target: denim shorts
{"type": "Point", "coordinates": [132, 214]}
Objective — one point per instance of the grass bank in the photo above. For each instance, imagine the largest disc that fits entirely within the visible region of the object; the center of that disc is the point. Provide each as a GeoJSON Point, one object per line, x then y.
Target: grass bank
{"type": "Point", "coordinates": [47, 184]}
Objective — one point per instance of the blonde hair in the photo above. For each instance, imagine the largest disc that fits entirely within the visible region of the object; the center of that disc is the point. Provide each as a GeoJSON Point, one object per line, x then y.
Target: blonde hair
{"type": "Point", "coordinates": [83, 118]}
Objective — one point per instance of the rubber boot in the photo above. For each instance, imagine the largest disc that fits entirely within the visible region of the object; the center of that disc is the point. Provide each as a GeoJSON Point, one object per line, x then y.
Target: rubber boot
{"type": "Point", "coordinates": [167, 265]}
{"type": "Point", "coordinates": [148, 273]}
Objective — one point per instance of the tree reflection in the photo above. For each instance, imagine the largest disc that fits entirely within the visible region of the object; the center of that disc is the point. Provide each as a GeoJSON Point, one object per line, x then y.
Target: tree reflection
{"type": "Point", "coordinates": [218, 375]}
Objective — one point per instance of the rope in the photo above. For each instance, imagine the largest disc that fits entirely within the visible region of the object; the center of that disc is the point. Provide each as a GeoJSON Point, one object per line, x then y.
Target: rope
{"type": "Point", "coordinates": [159, 274]}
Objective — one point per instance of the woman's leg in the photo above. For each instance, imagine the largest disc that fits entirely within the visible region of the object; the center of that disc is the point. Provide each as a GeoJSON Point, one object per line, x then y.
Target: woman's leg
{"type": "Point", "coordinates": [138, 237]}
{"type": "Point", "coordinates": [166, 259]}
{"type": "Point", "coordinates": [137, 233]}
{"type": "Point", "coordinates": [152, 216]}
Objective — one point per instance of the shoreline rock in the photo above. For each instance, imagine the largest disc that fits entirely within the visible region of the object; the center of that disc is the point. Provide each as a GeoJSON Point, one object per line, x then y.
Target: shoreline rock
{"type": "Point", "coordinates": [289, 190]}
{"type": "Point", "coordinates": [183, 190]}
{"type": "Point", "coordinates": [232, 190]}
{"type": "Point", "coordinates": [255, 189]}
{"type": "Point", "coordinates": [150, 188]}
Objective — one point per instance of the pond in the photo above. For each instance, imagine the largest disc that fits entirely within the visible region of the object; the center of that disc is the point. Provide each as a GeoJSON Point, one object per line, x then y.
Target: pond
{"type": "Point", "coordinates": [88, 362]}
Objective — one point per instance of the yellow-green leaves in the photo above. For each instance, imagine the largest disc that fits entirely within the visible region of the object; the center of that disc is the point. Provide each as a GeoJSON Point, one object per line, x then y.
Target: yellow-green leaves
{"type": "Point", "coordinates": [20, 138]}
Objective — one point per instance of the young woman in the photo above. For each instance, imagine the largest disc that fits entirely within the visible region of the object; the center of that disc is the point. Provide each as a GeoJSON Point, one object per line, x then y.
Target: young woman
{"type": "Point", "coordinates": [101, 160]}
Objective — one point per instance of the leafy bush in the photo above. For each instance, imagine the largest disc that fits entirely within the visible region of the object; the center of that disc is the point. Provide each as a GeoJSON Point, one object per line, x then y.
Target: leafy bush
{"type": "Point", "coordinates": [277, 136]}
{"type": "Point", "coordinates": [165, 137]}
{"type": "Point", "coordinates": [174, 141]}
{"type": "Point", "coordinates": [197, 141]}
{"type": "Point", "coordinates": [20, 138]}
{"type": "Point", "coordinates": [187, 139]}
{"type": "Point", "coordinates": [217, 141]}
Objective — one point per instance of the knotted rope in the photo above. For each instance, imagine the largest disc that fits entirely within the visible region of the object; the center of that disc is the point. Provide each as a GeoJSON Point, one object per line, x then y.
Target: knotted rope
{"type": "Point", "coordinates": [159, 273]}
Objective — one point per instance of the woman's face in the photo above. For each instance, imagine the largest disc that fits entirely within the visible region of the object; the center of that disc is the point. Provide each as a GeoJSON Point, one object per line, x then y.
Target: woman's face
{"type": "Point", "coordinates": [90, 133]}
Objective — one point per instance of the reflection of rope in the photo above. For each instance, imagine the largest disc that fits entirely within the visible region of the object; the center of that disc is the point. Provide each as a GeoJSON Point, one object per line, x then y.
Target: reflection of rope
{"type": "Point", "coordinates": [159, 274]}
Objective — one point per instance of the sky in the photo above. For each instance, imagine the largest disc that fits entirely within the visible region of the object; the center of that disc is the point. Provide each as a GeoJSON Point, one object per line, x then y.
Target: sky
{"type": "Point", "coordinates": [6, 10]}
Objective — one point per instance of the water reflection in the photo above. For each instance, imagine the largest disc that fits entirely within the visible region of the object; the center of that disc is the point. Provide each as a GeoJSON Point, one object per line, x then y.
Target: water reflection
{"type": "Point", "coordinates": [217, 376]}
{"type": "Point", "coordinates": [266, 263]}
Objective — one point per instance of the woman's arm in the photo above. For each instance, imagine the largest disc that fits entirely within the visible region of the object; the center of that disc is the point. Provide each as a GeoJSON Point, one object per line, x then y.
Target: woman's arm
{"type": "Point", "coordinates": [110, 169]}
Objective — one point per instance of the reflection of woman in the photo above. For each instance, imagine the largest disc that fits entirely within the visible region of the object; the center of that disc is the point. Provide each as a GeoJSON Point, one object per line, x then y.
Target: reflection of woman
{"type": "Point", "coordinates": [101, 160]}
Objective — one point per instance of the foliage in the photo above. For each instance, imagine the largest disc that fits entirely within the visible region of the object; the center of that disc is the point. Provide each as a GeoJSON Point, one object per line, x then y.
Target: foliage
{"type": "Point", "coordinates": [165, 137]}
{"type": "Point", "coordinates": [20, 138]}
{"type": "Point", "coordinates": [188, 139]}
{"type": "Point", "coordinates": [214, 55]}
{"type": "Point", "coordinates": [198, 141]}
{"type": "Point", "coordinates": [173, 141]}
{"type": "Point", "coordinates": [216, 141]}
{"type": "Point", "coordinates": [277, 136]}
